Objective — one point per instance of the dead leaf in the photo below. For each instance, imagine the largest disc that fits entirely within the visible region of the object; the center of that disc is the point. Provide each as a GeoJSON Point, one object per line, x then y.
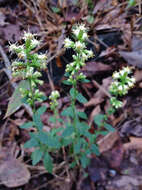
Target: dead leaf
{"type": "Point", "coordinates": [107, 142]}
{"type": "Point", "coordinates": [13, 172]}
{"type": "Point", "coordinates": [135, 56]}
{"type": "Point", "coordinates": [2, 19]}
{"type": "Point", "coordinates": [16, 99]}
{"type": "Point", "coordinates": [115, 156]}
{"type": "Point", "coordinates": [132, 127]}
{"type": "Point", "coordinates": [100, 94]}
{"type": "Point", "coordinates": [135, 143]}
{"type": "Point", "coordinates": [97, 169]}
{"type": "Point", "coordinates": [93, 68]}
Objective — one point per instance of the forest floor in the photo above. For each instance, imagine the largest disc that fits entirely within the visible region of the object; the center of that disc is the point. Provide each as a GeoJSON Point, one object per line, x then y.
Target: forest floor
{"type": "Point", "coordinates": [115, 32]}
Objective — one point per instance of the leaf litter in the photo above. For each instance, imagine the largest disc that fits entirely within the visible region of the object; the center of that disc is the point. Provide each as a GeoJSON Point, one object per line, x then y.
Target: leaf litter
{"type": "Point", "coordinates": [115, 168]}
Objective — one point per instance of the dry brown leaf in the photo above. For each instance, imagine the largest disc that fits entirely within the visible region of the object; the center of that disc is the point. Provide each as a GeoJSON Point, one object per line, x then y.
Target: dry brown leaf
{"type": "Point", "coordinates": [135, 143]}
{"type": "Point", "coordinates": [107, 142]}
{"type": "Point", "coordinates": [13, 172]}
{"type": "Point", "coordinates": [94, 101]}
{"type": "Point", "coordinates": [93, 68]}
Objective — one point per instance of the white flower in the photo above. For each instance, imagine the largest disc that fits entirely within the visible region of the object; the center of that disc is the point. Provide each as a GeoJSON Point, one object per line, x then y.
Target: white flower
{"type": "Point", "coordinates": [28, 36]}
{"type": "Point", "coordinates": [54, 95]}
{"type": "Point", "coordinates": [21, 55]}
{"type": "Point", "coordinates": [120, 88]}
{"type": "Point", "coordinates": [30, 71]}
{"type": "Point", "coordinates": [115, 103]}
{"type": "Point", "coordinates": [84, 56]}
{"type": "Point", "coordinates": [13, 47]}
{"type": "Point", "coordinates": [35, 43]}
{"type": "Point", "coordinates": [122, 72]}
{"type": "Point", "coordinates": [42, 57]}
{"type": "Point", "coordinates": [127, 70]}
{"type": "Point", "coordinates": [79, 45]}
{"type": "Point", "coordinates": [116, 75]}
{"type": "Point", "coordinates": [133, 80]}
{"type": "Point", "coordinates": [90, 53]}
{"type": "Point", "coordinates": [68, 43]}
{"type": "Point", "coordinates": [82, 27]}
{"type": "Point", "coordinates": [84, 36]}
{"type": "Point", "coordinates": [76, 31]}
{"type": "Point", "coordinates": [37, 74]}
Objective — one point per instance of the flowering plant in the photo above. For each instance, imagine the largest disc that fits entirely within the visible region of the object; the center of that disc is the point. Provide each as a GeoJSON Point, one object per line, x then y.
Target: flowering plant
{"type": "Point", "coordinates": [121, 85]}
{"type": "Point", "coordinates": [71, 129]}
{"type": "Point", "coordinates": [28, 66]}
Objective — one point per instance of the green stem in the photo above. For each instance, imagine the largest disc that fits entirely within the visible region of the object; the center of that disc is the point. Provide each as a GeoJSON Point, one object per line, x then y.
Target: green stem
{"type": "Point", "coordinates": [33, 100]}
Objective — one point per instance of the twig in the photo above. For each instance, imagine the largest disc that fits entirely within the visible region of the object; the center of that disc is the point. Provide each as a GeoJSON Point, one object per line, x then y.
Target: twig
{"type": "Point", "coordinates": [37, 16]}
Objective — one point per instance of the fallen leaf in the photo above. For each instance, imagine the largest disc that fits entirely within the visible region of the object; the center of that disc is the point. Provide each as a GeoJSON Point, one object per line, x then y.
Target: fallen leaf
{"type": "Point", "coordinates": [107, 142]}
{"type": "Point", "coordinates": [16, 100]}
{"type": "Point", "coordinates": [132, 127]}
{"type": "Point", "coordinates": [134, 144]}
{"type": "Point", "coordinates": [135, 56]}
{"type": "Point", "coordinates": [13, 172]}
{"type": "Point", "coordinates": [114, 156]}
{"type": "Point", "coordinates": [93, 68]}
{"type": "Point", "coordinates": [97, 169]}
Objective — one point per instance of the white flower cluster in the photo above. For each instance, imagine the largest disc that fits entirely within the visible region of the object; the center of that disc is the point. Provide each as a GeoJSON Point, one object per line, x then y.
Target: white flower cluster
{"type": "Point", "coordinates": [28, 63]}
{"type": "Point", "coordinates": [116, 103]}
{"type": "Point", "coordinates": [121, 85]}
{"type": "Point", "coordinates": [53, 97]}
{"type": "Point", "coordinates": [122, 82]}
{"type": "Point", "coordinates": [82, 54]}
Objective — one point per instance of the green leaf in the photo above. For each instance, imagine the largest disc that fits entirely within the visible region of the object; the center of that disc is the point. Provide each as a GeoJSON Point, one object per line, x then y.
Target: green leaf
{"type": "Point", "coordinates": [41, 110]}
{"type": "Point", "coordinates": [48, 140]}
{"type": "Point", "coordinates": [37, 121]}
{"type": "Point", "coordinates": [82, 128]}
{"type": "Point", "coordinates": [84, 160]}
{"type": "Point", "coordinates": [53, 142]}
{"type": "Point", "coordinates": [132, 3]}
{"type": "Point", "coordinates": [47, 161]}
{"type": "Point", "coordinates": [66, 82]}
{"type": "Point", "coordinates": [54, 131]}
{"type": "Point", "coordinates": [66, 142]}
{"type": "Point", "coordinates": [68, 112]}
{"type": "Point", "coordinates": [52, 119]}
{"type": "Point", "coordinates": [36, 156]}
{"type": "Point", "coordinates": [16, 100]}
{"type": "Point", "coordinates": [95, 149]}
{"type": "Point", "coordinates": [72, 165]}
{"type": "Point", "coordinates": [99, 119]}
{"type": "Point", "coordinates": [69, 130]}
{"type": "Point", "coordinates": [82, 115]}
{"type": "Point", "coordinates": [109, 127]}
{"type": "Point", "coordinates": [31, 143]}
{"type": "Point", "coordinates": [27, 125]}
{"type": "Point", "coordinates": [73, 92]}
{"type": "Point", "coordinates": [77, 146]}
{"type": "Point", "coordinates": [81, 98]}
{"type": "Point", "coordinates": [85, 81]}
